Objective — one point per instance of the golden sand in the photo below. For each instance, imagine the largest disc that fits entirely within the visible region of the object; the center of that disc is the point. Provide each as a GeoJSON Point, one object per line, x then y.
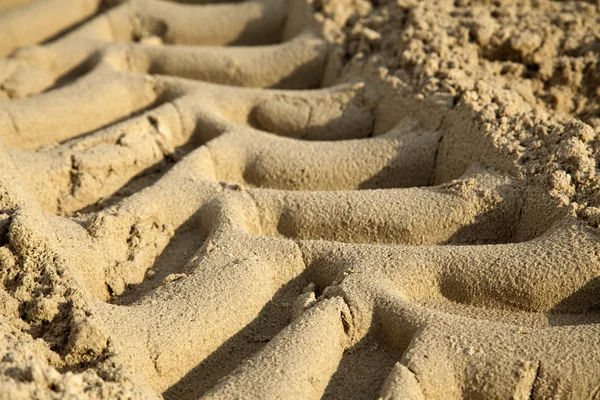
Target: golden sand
{"type": "Point", "coordinates": [284, 200]}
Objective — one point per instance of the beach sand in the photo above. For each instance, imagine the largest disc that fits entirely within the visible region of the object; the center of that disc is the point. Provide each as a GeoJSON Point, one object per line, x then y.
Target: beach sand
{"type": "Point", "coordinates": [274, 199]}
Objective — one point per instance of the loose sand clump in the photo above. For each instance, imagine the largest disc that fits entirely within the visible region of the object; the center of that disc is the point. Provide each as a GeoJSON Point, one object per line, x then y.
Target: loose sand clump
{"type": "Point", "coordinates": [528, 70]}
{"type": "Point", "coordinates": [29, 369]}
{"type": "Point", "coordinates": [544, 51]}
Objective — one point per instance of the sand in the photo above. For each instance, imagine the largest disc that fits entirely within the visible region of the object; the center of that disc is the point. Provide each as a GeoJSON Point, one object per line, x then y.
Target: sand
{"type": "Point", "coordinates": [289, 200]}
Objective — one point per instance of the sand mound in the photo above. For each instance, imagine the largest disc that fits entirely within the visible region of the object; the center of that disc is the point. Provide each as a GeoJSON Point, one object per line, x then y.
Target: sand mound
{"type": "Point", "coordinates": [266, 200]}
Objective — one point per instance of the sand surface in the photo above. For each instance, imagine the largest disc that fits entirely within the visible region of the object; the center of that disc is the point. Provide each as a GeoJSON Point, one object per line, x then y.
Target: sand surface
{"type": "Point", "coordinates": [276, 199]}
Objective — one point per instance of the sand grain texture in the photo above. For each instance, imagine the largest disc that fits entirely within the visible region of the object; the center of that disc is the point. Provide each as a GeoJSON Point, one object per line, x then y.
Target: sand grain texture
{"type": "Point", "coordinates": [282, 200]}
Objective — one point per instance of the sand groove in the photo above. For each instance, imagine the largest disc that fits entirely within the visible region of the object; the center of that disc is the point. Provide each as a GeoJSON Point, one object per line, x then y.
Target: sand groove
{"type": "Point", "coordinates": [238, 231]}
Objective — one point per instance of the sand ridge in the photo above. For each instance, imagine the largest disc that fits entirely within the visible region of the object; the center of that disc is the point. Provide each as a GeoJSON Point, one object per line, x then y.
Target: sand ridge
{"type": "Point", "coordinates": [192, 208]}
